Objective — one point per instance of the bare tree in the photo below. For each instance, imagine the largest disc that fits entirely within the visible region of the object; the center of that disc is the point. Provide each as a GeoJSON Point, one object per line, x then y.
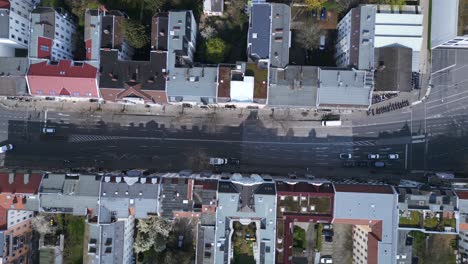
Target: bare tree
{"type": "Point", "coordinates": [42, 225]}
{"type": "Point", "coordinates": [208, 32]}
{"type": "Point", "coordinates": [308, 37]}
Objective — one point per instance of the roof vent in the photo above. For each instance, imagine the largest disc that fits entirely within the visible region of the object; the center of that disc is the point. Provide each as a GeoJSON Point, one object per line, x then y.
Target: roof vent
{"type": "Point", "coordinates": [104, 194]}
{"type": "Point", "coordinates": [126, 192]}
{"type": "Point", "coordinates": [116, 192]}
{"type": "Point", "coordinates": [26, 178]}
{"type": "Point", "coordinates": [107, 179]}
{"type": "Point", "coordinates": [11, 178]}
{"type": "Point", "coordinates": [140, 193]}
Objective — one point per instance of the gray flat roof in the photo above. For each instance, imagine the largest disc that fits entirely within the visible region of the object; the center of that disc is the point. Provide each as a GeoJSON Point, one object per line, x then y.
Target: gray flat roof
{"type": "Point", "coordinates": [295, 86]}
{"type": "Point", "coordinates": [343, 87]}
{"type": "Point", "coordinates": [259, 31]}
{"type": "Point", "coordinates": [372, 206]}
{"type": "Point", "coordinates": [4, 23]}
{"type": "Point", "coordinates": [449, 67]}
{"type": "Point", "coordinates": [366, 36]}
{"type": "Point", "coordinates": [192, 84]}
{"type": "Point", "coordinates": [280, 34]}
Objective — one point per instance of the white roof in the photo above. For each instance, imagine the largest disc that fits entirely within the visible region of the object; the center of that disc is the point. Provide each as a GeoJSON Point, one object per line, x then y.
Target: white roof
{"type": "Point", "coordinates": [444, 21]}
{"type": "Point", "coordinates": [393, 18]}
{"type": "Point", "coordinates": [243, 91]}
{"type": "Point", "coordinates": [403, 29]}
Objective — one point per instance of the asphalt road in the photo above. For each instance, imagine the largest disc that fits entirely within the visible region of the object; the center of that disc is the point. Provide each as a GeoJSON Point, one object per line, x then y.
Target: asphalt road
{"type": "Point", "coordinates": [431, 135]}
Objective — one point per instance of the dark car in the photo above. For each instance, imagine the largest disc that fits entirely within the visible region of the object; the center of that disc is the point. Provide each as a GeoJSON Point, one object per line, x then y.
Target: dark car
{"type": "Point", "coordinates": [362, 164]}
{"type": "Point", "coordinates": [327, 232]}
{"type": "Point", "coordinates": [379, 164]}
{"type": "Point", "coordinates": [323, 13]}
{"type": "Point", "coordinates": [233, 161]}
{"type": "Point", "coordinates": [328, 239]}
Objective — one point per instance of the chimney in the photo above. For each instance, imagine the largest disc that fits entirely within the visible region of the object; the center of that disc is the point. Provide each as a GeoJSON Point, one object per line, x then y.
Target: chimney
{"type": "Point", "coordinates": [26, 178]}
{"type": "Point", "coordinates": [11, 178]}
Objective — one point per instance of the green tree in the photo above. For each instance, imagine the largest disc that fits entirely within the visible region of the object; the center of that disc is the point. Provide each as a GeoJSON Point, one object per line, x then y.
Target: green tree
{"type": "Point", "coordinates": [216, 49]}
{"type": "Point", "coordinates": [152, 233]}
{"type": "Point", "coordinates": [314, 4]}
{"type": "Point", "coordinates": [135, 34]}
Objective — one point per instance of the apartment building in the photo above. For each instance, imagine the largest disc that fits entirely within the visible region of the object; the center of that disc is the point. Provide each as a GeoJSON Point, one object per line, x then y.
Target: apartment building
{"type": "Point", "coordinates": [52, 34]}
{"type": "Point", "coordinates": [14, 25]}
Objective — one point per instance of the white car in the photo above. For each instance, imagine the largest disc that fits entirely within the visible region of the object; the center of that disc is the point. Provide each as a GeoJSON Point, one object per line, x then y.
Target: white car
{"type": "Point", "coordinates": [393, 156]}
{"type": "Point", "coordinates": [373, 156]}
{"type": "Point", "coordinates": [6, 148]}
{"type": "Point", "coordinates": [326, 259]}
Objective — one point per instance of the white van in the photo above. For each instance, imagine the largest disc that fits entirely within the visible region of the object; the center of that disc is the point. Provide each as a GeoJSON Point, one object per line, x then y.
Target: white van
{"type": "Point", "coordinates": [331, 123]}
{"type": "Point", "coordinates": [322, 42]}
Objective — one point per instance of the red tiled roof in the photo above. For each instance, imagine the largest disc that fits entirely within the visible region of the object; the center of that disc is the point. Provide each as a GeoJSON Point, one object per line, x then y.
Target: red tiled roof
{"type": "Point", "coordinates": [4, 4]}
{"type": "Point", "coordinates": [18, 184]}
{"type": "Point", "coordinates": [462, 194]}
{"type": "Point", "coordinates": [63, 78]}
{"type": "Point", "coordinates": [364, 188]}
{"type": "Point", "coordinates": [3, 218]}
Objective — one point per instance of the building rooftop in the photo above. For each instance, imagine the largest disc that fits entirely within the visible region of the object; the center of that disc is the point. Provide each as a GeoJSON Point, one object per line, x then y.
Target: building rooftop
{"type": "Point", "coordinates": [21, 183]}
{"type": "Point", "coordinates": [371, 205]}
{"type": "Point", "coordinates": [196, 84]}
{"type": "Point", "coordinates": [444, 21]}
{"type": "Point", "coordinates": [259, 31]}
{"type": "Point", "coordinates": [295, 86]}
{"type": "Point", "coordinates": [120, 194]}
{"type": "Point", "coordinates": [70, 193]}
{"type": "Point", "coordinates": [205, 244]}
{"type": "Point", "coordinates": [344, 88]}
{"type": "Point", "coordinates": [362, 35]}
{"type": "Point", "coordinates": [112, 35]}
{"type": "Point", "coordinates": [280, 34]}
{"type": "Point", "coordinates": [159, 31]}
{"type": "Point", "coordinates": [151, 75]}
{"type": "Point", "coordinates": [247, 200]}
{"type": "Point", "coordinates": [393, 68]}
{"type": "Point", "coordinates": [213, 5]}
{"type": "Point", "coordinates": [434, 199]}
{"type": "Point", "coordinates": [92, 34]}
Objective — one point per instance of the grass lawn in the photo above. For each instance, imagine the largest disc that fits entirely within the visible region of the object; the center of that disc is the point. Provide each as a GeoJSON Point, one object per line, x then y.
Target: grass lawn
{"type": "Point", "coordinates": [289, 205]}
{"type": "Point", "coordinates": [319, 237]}
{"type": "Point", "coordinates": [449, 222]}
{"type": "Point", "coordinates": [243, 248]}
{"type": "Point", "coordinates": [413, 221]}
{"type": "Point", "coordinates": [424, 245]}
{"type": "Point", "coordinates": [74, 229]}
{"type": "Point", "coordinates": [431, 222]}
{"type": "Point", "coordinates": [322, 204]}
{"type": "Point", "coordinates": [260, 83]}
{"type": "Point", "coordinates": [299, 238]}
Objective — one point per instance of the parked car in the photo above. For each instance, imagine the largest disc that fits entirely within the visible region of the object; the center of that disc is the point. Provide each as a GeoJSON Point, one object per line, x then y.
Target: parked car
{"type": "Point", "coordinates": [233, 161]}
{"type": "Point", "coordinates": [393, 156]}
{"type": "Point", "coordinates": [323, 13]}
{"type": "Point", "coordinates": [379, 164]}
{"type": "Point", "coordinates": [373, 156]}
{"type": "Point", "coordinates": [329, 239]}
{"type": "Point", "coordinates": [322, 42]}
{"type": "Point", "coordinates": [345, 156]}
{"type": "Point", "coordinates": [6, 148]}
{"type": "Point", "coordinates": [327, 232]}
{"type": "Point", "coordinates": [362, 164]}
{"type": "Point", "coordinates": [326, 259]}
{"type": "Point", "coordinates": [218, 161]}
{"type": "Point", "coordinates": [327, 227]}
{"type": "Point", "coordinates": [48, 130]}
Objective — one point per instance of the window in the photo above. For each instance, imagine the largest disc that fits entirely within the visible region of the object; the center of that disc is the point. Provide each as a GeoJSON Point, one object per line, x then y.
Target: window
{"type": "Point", "coordinates": [13, 36]}
{"type": "Point", "coordinates": [23, 25]}
{"type": "Point", "coordinates": [76, 93]}
{"type": "Point", "coordinates": [88, 94]}
{"type": "Point", "coordinates": [52, 92]}
{"type": "Point", "coordinates": [16, 21]}
{"type": "Point", "coordinates": [44, 48]}
{"type": "Point", "coordinates": [20, 39]}
{"type": "Point", "coordinates": [39, 92]}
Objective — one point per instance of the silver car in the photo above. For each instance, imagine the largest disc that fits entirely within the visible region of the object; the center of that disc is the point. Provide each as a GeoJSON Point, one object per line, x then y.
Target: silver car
{"type": "Point", "coordinates": [393, 156]}
{"type": "Point", "coordinates": [6, 148]}
{"type": "Point", "coordinates": [373, 156]}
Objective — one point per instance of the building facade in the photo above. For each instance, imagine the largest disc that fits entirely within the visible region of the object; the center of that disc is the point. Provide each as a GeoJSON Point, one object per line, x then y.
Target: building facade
{"type": "Point", "coordinates": [14, 25]}
{"type": "Point", "coordinates": [52, 34]}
